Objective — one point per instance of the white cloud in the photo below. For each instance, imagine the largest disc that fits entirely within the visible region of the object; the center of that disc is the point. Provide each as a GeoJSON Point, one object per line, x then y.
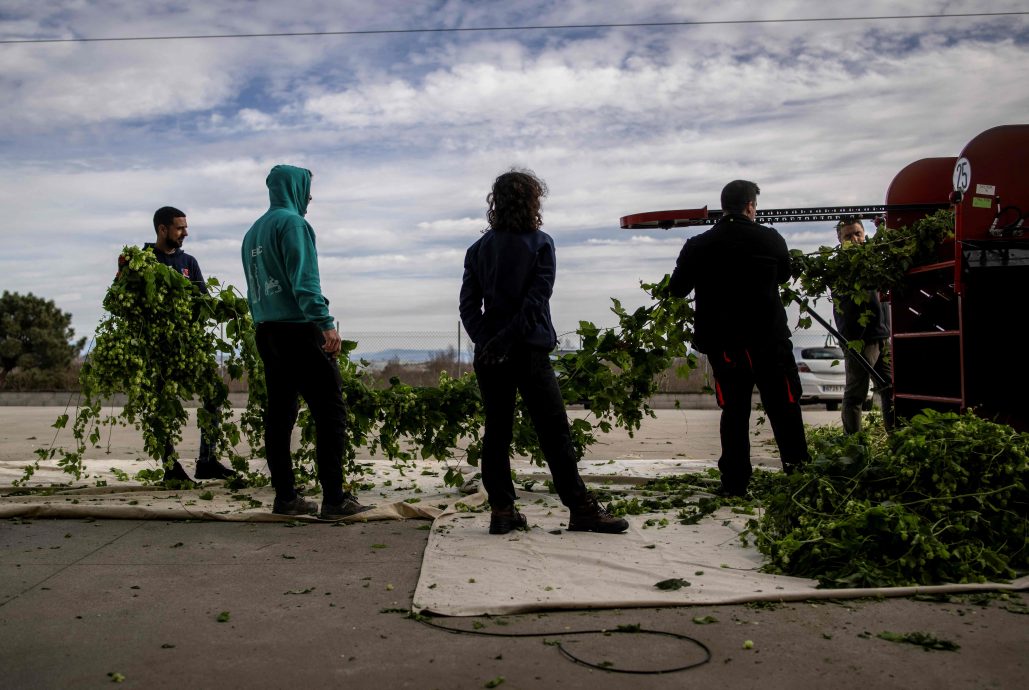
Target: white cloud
{"type": "Point", "coordinates": [451, 228]}
{"type": "Point", "coordinates": [406, 133]}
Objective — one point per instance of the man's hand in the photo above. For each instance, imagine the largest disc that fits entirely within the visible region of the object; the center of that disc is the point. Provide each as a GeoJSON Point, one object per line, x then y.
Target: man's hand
{"type": "Point", "coordinates": [332, 341]}
{"type": "Point", "coordinates": [662, 291]}
{"type": "Point", "coordinates": [495, 352]}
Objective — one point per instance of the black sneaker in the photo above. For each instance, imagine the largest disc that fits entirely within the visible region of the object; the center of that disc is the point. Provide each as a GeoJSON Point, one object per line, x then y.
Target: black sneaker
{"type": "Point", "coordinates": [176, 474]}
{"type": "Point", "coordinates": [504, 520]}
{"type": "Point", "coordinates": [590, 516]}
{"type": "Point", "coordinates": [338, 511]}
{"type": "Point", "coordinates": [298, 506]}
{"type": "Point", "coordinates": [212, 469]}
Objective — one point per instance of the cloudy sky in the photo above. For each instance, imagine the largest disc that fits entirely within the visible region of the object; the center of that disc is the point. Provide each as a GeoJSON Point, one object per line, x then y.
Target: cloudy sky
{"type": "Point", "coordinates": [406, 131]}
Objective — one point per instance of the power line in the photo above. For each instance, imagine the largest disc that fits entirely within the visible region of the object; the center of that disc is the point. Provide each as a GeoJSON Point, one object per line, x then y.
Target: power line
{"type": "Point", "coordinates": [541, 27]}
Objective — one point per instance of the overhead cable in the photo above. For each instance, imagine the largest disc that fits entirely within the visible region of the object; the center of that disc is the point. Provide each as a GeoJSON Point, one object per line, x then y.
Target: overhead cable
{"type": "Point", "coordinates": [540, 27]}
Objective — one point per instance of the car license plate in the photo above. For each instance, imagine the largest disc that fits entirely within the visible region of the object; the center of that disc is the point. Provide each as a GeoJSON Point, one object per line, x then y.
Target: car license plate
{"type": "Point", "coordinates": [832, 389]}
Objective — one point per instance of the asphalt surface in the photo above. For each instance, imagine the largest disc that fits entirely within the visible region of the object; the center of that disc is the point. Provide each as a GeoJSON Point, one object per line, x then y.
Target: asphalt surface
{"type": "Point", "coordinates": [156, 604]}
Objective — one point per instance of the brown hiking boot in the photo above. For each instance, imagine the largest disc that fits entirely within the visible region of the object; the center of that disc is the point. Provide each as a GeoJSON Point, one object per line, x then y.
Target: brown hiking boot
{"type": "Point", "coordinates": [590, 516]}
{"type": "Point", "coordinates": [503, 520]}
{"type": "Point", "coordinates": [298, 506]}
{"type": "Point", "coordinates": [347, 507]}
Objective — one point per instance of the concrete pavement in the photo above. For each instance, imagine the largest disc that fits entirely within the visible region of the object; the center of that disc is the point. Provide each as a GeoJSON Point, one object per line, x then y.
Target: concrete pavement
{"type": "Point", "coordinates": [227, 605]}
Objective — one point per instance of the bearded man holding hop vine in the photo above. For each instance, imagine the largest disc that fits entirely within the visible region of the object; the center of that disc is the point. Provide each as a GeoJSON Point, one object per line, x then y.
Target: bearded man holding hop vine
{"type": "Point", "coordinates": [171, 229]}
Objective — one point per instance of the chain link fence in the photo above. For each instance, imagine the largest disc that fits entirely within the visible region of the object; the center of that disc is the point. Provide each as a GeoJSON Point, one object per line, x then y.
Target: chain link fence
{"type": "Point", "coordinates": [416, 347]}
{"type": "Point", "coordinates": [418, 357]}
{"type": "Point", "coordinates": [812, 338]}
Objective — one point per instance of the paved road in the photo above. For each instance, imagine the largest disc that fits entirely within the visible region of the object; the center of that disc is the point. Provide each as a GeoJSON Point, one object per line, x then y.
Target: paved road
{"type": "Point", "coordinates": [317, 606]}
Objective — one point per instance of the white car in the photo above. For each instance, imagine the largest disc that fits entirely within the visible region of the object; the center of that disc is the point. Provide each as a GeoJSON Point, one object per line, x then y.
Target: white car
{"type": "Point", "coordinates": [823, 376]}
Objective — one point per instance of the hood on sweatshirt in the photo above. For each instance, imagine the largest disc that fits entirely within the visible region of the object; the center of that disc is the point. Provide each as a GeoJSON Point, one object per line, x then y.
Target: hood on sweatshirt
{"type": "Point", "coordinates": [289, 187]}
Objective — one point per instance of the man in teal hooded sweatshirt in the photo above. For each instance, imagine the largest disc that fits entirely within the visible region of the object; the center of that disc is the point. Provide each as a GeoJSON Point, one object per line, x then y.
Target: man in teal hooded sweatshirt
{"type": "Point", "coordinates": [298, 343]}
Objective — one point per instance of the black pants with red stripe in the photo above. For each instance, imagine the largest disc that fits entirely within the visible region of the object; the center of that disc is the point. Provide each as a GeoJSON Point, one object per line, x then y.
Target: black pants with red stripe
{"type": "Point", "coordinates": [773, 370]}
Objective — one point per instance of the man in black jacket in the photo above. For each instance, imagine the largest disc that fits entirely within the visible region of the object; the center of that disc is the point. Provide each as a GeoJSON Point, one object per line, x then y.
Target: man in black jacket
{"type": "Point", "coordinates": [866, 328]}
{"type": "Point", "coordinates": [736, 268]}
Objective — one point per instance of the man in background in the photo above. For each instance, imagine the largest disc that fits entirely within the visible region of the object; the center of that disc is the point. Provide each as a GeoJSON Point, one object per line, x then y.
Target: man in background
{"type": "Point", "coordinates": [864, 326]}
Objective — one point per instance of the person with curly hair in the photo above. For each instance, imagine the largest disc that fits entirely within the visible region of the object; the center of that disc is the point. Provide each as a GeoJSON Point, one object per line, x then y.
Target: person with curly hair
{"type": "Point", "coordinates": [505, 307]}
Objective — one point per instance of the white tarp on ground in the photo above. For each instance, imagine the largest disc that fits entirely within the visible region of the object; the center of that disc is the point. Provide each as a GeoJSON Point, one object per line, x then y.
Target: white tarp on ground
{"type": "Point", "coordinates": [468, 572]}
{"type": "Point", "coordinates": [465, 570]}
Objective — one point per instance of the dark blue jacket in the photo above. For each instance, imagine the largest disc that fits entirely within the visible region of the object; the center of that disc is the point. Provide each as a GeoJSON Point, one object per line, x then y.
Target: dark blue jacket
{"type": "Point", "coordinates": [183, 263]}
{"type": "Point", "coordinates": [505, 293]}
{"type": "Point", "coordinates": [735, 268]}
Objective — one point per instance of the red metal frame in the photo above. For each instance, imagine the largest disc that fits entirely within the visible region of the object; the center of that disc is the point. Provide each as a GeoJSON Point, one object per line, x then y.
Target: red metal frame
{"type": "Point", "coordinates": [925, 181]}
{"type": "Point", "coordinates": [979, 306]}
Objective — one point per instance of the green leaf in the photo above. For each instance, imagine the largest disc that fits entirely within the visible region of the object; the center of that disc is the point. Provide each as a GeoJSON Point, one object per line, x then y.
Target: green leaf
{"type": "Point", "coordinates": [925, 640]}
{"type": "Point", "coordinates": [672, 584]}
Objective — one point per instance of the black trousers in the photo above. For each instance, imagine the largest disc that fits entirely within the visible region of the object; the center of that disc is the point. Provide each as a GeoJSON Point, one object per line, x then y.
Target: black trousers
{"type": "Point", "coordinates": [208, 445]}
{"type": "Point", "coordinates": [295, 365]}
{"type": "Point", "coordinates": [773, 370]}
{"type": "Point", "coordinates": [876, 353]}
{"type": "Point", "coordinates": [530, 373]}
